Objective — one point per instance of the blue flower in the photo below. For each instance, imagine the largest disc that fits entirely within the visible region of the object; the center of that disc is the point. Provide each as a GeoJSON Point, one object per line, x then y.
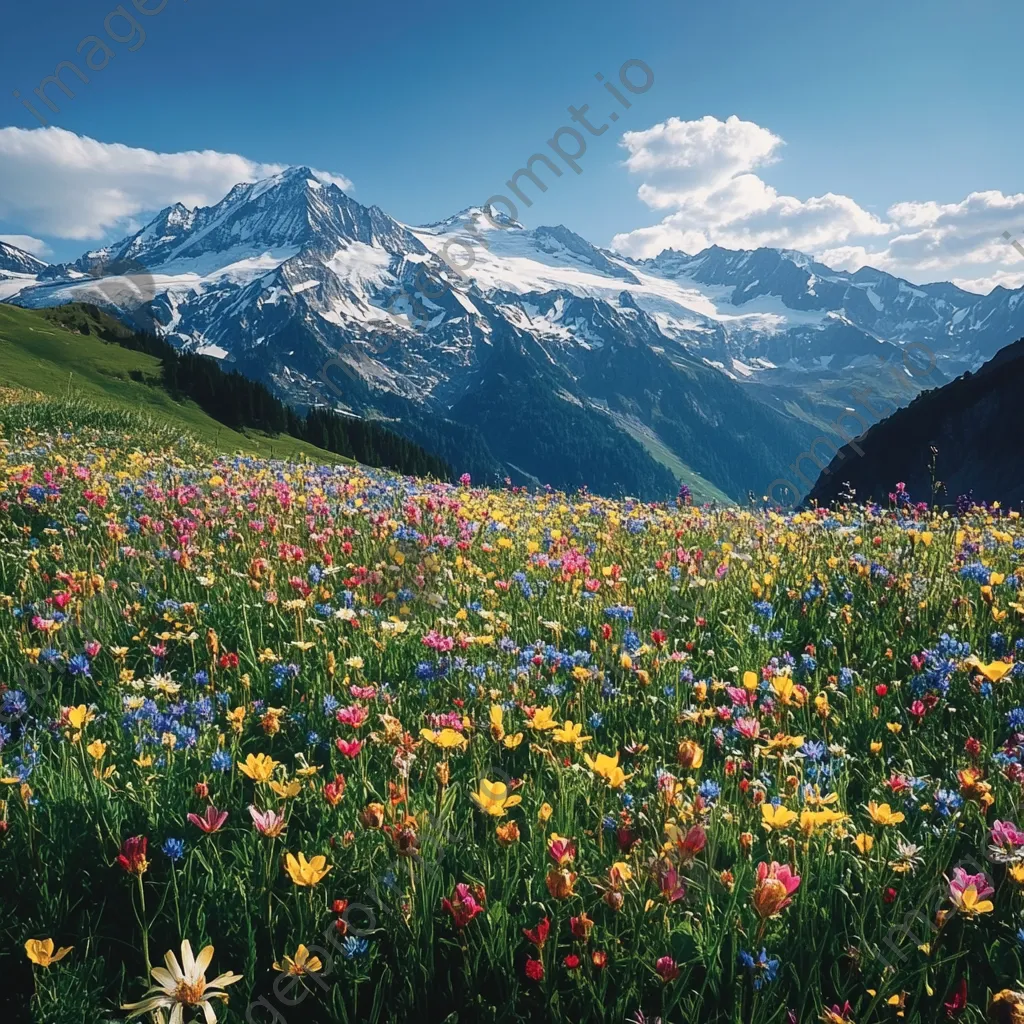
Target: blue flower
{"type": "Point", "coordinates": [709, 790]}
{"type": "Point", "coordinates": [354, 947]}
{"type": "Point", "coordinates": [220, 761]}
{"type": "Point", "coordinates": [762, 968]}
{"type": "Point", "coordinates": [79, 665]}
{"type": "Point", "coordinates": [174, 849]}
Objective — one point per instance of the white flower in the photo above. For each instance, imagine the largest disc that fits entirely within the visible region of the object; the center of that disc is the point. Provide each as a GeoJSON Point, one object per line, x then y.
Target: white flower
{"type": "Point", "coordinates": [186, 986]}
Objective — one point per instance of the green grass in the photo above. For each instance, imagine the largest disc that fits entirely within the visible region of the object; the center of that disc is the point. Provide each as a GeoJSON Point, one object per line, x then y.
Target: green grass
{"type": "Point", "coordinates": [701, 489]}
{"type": "Point", "coordinates": [39, 354]}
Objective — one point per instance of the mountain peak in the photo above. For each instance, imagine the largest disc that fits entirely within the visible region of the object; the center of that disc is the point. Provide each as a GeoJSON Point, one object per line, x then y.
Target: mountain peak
{"type": "Point", "coordinates": [18, 261]}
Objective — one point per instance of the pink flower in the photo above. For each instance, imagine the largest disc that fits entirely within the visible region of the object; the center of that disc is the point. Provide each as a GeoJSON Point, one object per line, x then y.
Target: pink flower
{"type": "Point", "coordinates": [774, 888]}
{"type": "Point", "coordinates": [212, 820]}
{"type": "Point", "coordinates": [1006, 834]}
{"type": "Point", "coordinates": [350, 748]}
{"type": "Point", "coordinates": [268, 823]}
{"type": "Point", "coordinates": [463, 905]}
{"type": "Point", "coordinates": [667, 969]}
{"type": "Point", "coordinates": [668, 881]}
{"type": "Point", "coordinates": [354, 715]}
{"type": "Point", "coordinates": [363, 692]}
{"type": "Point", "coordinates": [962, 881]}
{"type": "Point", "coordinates": [748, 728]}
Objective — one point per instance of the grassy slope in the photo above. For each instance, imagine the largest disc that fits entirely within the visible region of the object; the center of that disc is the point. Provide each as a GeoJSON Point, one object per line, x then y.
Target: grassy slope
{"type": "Point", "coordinates": [40, 355]}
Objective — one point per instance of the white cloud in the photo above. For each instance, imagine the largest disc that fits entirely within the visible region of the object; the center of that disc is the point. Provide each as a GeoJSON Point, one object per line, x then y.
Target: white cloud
{"type": "Point", "coordinates": [703, 172]}
{"type": "Point", "coordinates": [36, 246]}
{"type": "Point", "coordinates": [56, 183]}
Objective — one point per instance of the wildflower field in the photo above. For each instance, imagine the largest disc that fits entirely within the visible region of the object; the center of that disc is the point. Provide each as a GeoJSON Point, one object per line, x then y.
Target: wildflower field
{"type": "Point", "coordinates": [399, 750]}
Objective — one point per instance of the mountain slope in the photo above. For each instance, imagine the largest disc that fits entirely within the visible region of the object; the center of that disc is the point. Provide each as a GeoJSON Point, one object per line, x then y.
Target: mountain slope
{"type": "Point", "coordinates": [969, 428]}
{"type": "Point", "coordinates": [79, 353]}
{"type": "Point", "coordinates": [18, 270]}
{"type": "Point", "coordinates": [717, 369]}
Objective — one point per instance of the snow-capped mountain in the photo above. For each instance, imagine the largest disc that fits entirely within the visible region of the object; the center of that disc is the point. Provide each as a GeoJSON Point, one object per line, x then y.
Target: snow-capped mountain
{"type": "Point", "coordinates": [542, 356]}
{"type": "Point", "coordinates": [18, 269]}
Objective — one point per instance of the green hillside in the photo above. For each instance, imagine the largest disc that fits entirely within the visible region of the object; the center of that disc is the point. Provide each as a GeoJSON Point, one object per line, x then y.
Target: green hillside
{"type": "Point", "coordinates": [38, 353]}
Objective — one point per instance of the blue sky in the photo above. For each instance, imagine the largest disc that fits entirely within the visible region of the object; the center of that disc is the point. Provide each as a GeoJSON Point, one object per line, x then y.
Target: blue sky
{"type": "Point", "coordinates": [429, 108]}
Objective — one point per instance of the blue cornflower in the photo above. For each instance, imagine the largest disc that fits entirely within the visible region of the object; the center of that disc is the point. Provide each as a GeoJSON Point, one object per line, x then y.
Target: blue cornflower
{"type": "Point", "coordinates": [174, 849]}
{"type": "Point", "coordinates": [79, 665]}
{"type": "Point", "coordinates": [354, 947]}
{"type": "Point", "coordinates": [709, 790]}
{"type": "Point", "coordinates": [946, 802]}
{"type": "Point", "coordinates": [763, 968]}
{"type": "Point", "coordinates": [220, 761]}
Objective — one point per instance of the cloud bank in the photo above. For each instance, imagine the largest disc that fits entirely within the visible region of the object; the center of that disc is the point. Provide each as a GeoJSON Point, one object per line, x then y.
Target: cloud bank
{"type": "Point", "coordinates": [62, 185]}
{"type": "Point", "coordinates": [707, 177]}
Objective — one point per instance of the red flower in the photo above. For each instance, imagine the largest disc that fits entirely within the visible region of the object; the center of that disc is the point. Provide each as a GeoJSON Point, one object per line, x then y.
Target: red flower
{"type": "Point", "coordinates": [132, 857]}
{"type": "Point", "coordinates": [538, 935]}
{"type": "Point", "coordinates": [890, 895]}
{"type": "Point", "coordinates": [599, 958]}
{"type": "Point", "coordinates": [606, 631]}
{"type": "Point", "coordinates": [350, 748]}
{"type": "Point", "coordinates": [667, 969]}
{"type": "Point", "coordinates": [534, 969]}
{"type": "Point", "coordinates": [973, 746]}
{"type": "Point", "coordinates": [334, 791]}
{"type": "Point", "coordinates": [658, 637]}
{"type": "Point", "coordinates": [958, 1003]}
{"type": "Point", "coordinates": [212, 820]}
{"type": "Point", "coordinates": [881, 689]}
{"type": "Point", "coordinates": [571, 962]}
{"type": "Point", "coordinates": [692, 843]}
{"type": "Point", "coordinates": [463, 905]}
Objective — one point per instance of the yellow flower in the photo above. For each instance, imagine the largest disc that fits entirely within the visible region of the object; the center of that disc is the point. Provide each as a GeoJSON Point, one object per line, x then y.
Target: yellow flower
{"type": "Point", "coordinates": [773, 818]}
{"type": "Point", "coordinates": [511, 742]}
{"type": "Point", "coordinates": [258, 767]}
{"type": "Point", "coordinates": [302, 963]}
{"type": "Point", "coordinates": [493, 798]}
{"type": "Point", "coordinates": [788, 692]}
{"type": "Point", "coordinates": [1016, 873]}
{"type": "Point", "coordinates": [968, 902]}
{"type": "Point", "coordinates": [994, 671]}
{"type": "Point", "coordinates": [40, 952]}
{"type": "Point", "coordinates": [446, 739]}
{"type": "Point", "coordinates": [545, 812]}
{"type": "Point", "coordinates": [497, 717]}
{"type": "Point", "coordinates": [236, 718]}
{"type": "Point", "coordinates": [894, 727]}
{"type": "Point", "coordinates": [607, 768]}
{"type": "Point", "coordinates": [77, 717]}
{"type": "Point", "coordinates": [883, 814]}
{"type": "Point", "coordinates": [543, 719]}
{"type": "Point", "coordinates": [96, 749]}
{"type": "Point", "coordinates": [810, 821]}
{"type": "Point", "coordinates": [876, 746]}
{"type": "Point", "coordinates": [690, 754]}
{"type": "Point", "coordinates": [306, 872]}
{"type": "Point", "coordinates": [619, 874]}
{"type": "Point", "coordinates": [864, 843]}
{"type": "Point", "coordinates": [286, 790]}
{"type": "Point", "coordinates": [571, 732]}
